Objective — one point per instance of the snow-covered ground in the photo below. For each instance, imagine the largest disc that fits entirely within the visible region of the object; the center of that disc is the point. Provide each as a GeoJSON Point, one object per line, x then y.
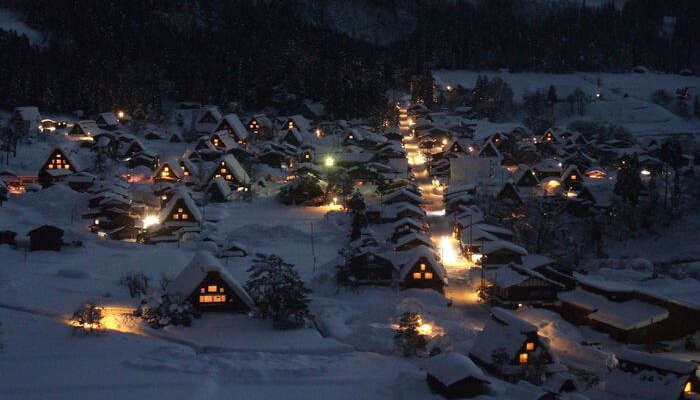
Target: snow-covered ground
{"type": "Point", "coordinates": [625, 98]}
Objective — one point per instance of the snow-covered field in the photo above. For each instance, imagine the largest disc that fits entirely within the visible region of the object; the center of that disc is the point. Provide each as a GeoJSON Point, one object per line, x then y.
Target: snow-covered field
{"type": "Point", "coordinates": [625, 98]}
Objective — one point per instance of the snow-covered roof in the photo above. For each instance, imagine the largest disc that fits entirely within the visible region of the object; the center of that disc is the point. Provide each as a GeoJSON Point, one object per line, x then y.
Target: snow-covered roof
{"type": "Point", "coordinates": [505, 277]}
{"type": "Point", "coordinates": [452, 367]}
{"type": "Point", "coordinates": [393, 210]}
{"type": "Point", "coordinates": [497, 245]}
{"type": "Point", "coordinates": [548, 165]}
{"type": "Point", "coordinates": [225, 140]}
{"type": "Point", "coordinates": [413, 236]}
{"type": "Point", "coordinates": [532, 261]}
{"type": "Point", "coordinates": [402, 192]}
{"type": "Point", "coordinates": [89, 127]}
{"type": "Point", "coordinates": [236, 169]}
{"type": "Point", "coordinates": [628, 315]}
{"type": "Point", "coordinates": [503, 331]}
{"type": "Point", "coordinates": [194, 273]}
{"type": "Point", "coordinates": [109, 118]}
{"type": "Point", "coordinates": [174, 166]}
{"type": "Point", "coordinates": [494, 229]}
{"type": "Point", "coordinates": [301, 122]}
{"type": "Point", "coordinates": [220, 184]}
{"type": "Point", "coordinates": [657, 361]}
{"type": "Point", "coordinates": [235, 123]}
{"type": "Point", "coordinates": [406, 220]}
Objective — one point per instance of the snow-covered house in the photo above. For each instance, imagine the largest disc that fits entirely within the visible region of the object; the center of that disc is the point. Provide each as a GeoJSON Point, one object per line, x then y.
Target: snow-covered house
{"type": "Point", "coordinates": [297, 122]}
{"type": "Point", "coordinates": [652, 377]}
{"type": "Point", "coordinates": [489, 150]}
{"type": "Point", "coordinates": [218, 190]}
{"type": "Point", "coordinates": [222, 141]}
{"type": "Point", "coordinates": [25, 120]}
{"type": "Point", "coordinates": [420, 268]}
{"type": "Point", "coordinates": [514, 285]}
{"type": "Point", "coordinates": [510, 347]}
{"type": "Point", "coordinates": [208, 286]}
{"type": "Point", "coordinates": [169, 171]}
{"type": "Point", "coordinates": [571, 178]}
{"type": "Point", "coordinates": [402, 195]}
{"type": "Point", "coordinates": [548, 168]}
{"type": "Point", "coordinates": [259, 125]}
{"type": "Point", "coordinates": [550, 137]}
{"type": "Point", "coordinates": [45, 237]}
{"type": "Point", "coordinates": [397, 211]}
{"type": "Point", "coordinates": [509, 196]}
{"type": "Point", "coordinates": [86, 128]}
{"type": "Point", "coordinates": [234, 127]}
{"type": "Point", "coordinates": [180, 211]}
{"type": "Point", "coordinates": [369, 267]}
{"type": "Point", "coordinates": [406, 226]}
{"type": "Point", "coordinates": [207, 119]}
{"type": "Point", "coordinates": [107, 121]}
{"type": "Point", "coordinates": [502, 252]}
{"type": "Point", "coordinates": [454, 375]}
{"type": "Point", "coordinates": [134, 147]}
{"type": "Point", "coordinates": [293, 137]}
{"type": "Point", "coordinates": [526, 177]}
{"type": "Point", "coordinates": [57, 166]}
{"type": "Point", "coordinates": [231, 170]}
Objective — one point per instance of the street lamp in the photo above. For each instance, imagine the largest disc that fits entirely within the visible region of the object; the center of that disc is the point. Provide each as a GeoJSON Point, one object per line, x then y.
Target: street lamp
{"type": "Point", "coordinates": [329, 161]}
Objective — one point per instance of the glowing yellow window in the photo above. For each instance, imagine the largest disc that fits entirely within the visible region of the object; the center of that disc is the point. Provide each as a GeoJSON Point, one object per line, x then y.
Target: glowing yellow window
{"type": "Point", "coordinates": [201, 290]}
{"type": "Point", "coordinates": [176, 216]}
{"type": "Point", "coordinates": [523, 358]}
{"type": "Point", "coordinates": [223, 170]}
{"type": "Point", "coordinates": [529, 346]}
{"type": "Point", "coordinates": [164, 197]}
{"type": "Point", "coordinates": [165, 168]}
{"type": "Point", "coordinates": [187, 173]}
{"type": "Point", "coordinates": [50, 166]}
{"type": "Point", "coordinates": [58, 156]}
{"type": "Point", "coordinates": [179, 210]}
{"type": "Point", "coordinates": [229, 177]}
{"type": "Point", "coordinates": [688, 388]}
{"type": "Point", "coordinates": [428, 275]}
{"type": "Point", "coordinates": [416, 275]}
{"type": "Point", "coordinates": [184, 216]}
{"type": "Point", "coordinates": [573, 177]}
{"type": "Point", "coordinates": [212, 288]}
{"type": "Point", "coordinates": [66, 166]}
{"type": "Point", "coordinates": [422, 267]}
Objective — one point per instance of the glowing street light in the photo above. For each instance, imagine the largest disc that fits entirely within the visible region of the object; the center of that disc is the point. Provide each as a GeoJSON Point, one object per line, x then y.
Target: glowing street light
{"type": "Point", "coordinates": [150, 220]}
{"type": "Point", "coordinates": [329, 162]}
{"type": "Point", "coordinates": [121, 114]}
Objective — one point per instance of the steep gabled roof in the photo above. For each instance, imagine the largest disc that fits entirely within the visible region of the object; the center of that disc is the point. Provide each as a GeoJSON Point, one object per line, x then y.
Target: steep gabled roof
{"type": "Point", "coordinates": [409, 259]}
{"type": "Point", "coordinates": [235, 124]}
{"type": "Point", "coordinates": [180, 194]}
{"type": "Point", "coordinates": [236, 169]}
{"type": "Point", "coordinates": [450, 368]}
{"type": "Point", "coordinates": [194, 273]}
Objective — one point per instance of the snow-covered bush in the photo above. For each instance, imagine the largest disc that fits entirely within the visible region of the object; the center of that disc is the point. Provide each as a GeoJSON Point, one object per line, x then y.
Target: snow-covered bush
{"type": "Point", "coordinates": [278, 292]}
{"type": "Point", "coordinates": [136, 282]}
{"type": "Point", "coordinates": [87, 319]}
{"type": "Point", "coordinates": [407, 339]}
{"type": "Point", "coordinates": [162, 310]}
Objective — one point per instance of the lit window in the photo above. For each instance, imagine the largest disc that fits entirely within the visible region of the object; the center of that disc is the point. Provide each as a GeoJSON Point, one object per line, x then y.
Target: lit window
{"type": "Point", "coordinates": [201, 290]}
{"type": "Point", "coordinates": [416, 275]}
{"type": "Point", "coordinates": [66, 166]}
{"type": "Point", "coordinates": [688, 387]}
{"type": "Point", "coordinates": [184, 216]}
{"type": "Point", "coordinates": [223, 170]}
{"type": "Point", "coordinates": [176, 216]}
{"type": "Point", "coordinates": [179, 210]}
{"type": "Point", "coordinates": [229, 177]}
{"type": "Point", "coordinates": [529, 346]}
{"type": "Point", "coordinates": [523, 358]}
{"type": "Point", "coordinates": [422, 267]}
{"type": "Point", "coordinates": [221, 289]}
{"type": "Point", "coordinates": [428, 275]}
{"type": "Point", "coordinates": [212, 288]}
{"type": "Point", "coordinates": [164, 197]}
{"type": "Point", "coordinates": [50, 166]}
{"type": "Point", "coordinates": [573, 177]}
{"type": "Point", "coordinates": [187, 173]}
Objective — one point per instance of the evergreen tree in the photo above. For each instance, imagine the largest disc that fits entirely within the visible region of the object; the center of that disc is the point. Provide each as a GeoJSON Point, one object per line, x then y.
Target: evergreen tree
{"type": "Point", "coordinates": [278, 292]}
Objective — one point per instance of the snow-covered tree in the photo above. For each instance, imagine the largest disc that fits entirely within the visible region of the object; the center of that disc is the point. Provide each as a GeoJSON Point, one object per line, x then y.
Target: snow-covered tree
{"type": "Point", "coordinates": [136, 282]}
{"type": "Point", "coordinates": [87, 319]}
{"type": "Point", "coordinates": [407, 339]}
{"type": "Point", "coordinates": [278, 292]}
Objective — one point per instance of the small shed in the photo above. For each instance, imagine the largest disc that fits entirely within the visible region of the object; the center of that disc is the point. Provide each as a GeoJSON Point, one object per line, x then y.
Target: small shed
{"type": "Point", "coordinates": [46, 237]}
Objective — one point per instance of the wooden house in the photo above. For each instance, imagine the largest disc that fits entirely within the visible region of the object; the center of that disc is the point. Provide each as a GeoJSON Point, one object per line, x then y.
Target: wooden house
{"type": "Point", "coordinates": [454, 376]}
{"type": "Point", "coordinates": [190, 170]}
{"type": "Point", "coordinates": [229, 169]}
{"type": "Point", "coordinates": [231, 124]}
{"type": "Point", "coordinates": [259, 125]}
{"type": "Point", "coordinates": [180, 211]}
{"type": "Point", "coordinates": [87, 128]}
{"type": "Point", "coordinates": [421, 269]}
{"type": "Point", "coordinates": [296, 122]}
{"type": "Point", "coordinates": [134, 147]}
{"type": "Point", "coordinates": [397, 211]}
{"type": "Point", "coordinates": [368, 267]}
{"type": "Point", "coordinates": [25, 120]}
{"type": "Point", "coordinates": [293, 137]}
{"type": "Point", "coordinates": [648, 376]}
{"type": "Point", "coordinates": [222, 142]}
{"type": "Point", "coordinates": [56, 166]}
{"type": "Point", "coordinates": [107, 121]}
{"type": "Point", "coordinates": [402, 195]}
{"type": "Point", "coordinates": [513, 285]}
{"type": "Point", "coordinates": [510, 347]}
{"type": "Point", "coordinates": [526, 177]}
{"type": "Point", "coordinates": [489, 150]}
{"type": "Point", "coordinates": [548, 168]}
{"type": "Point", "coordinates": [209, 287]}
{"type": "Point", "coordinates": [144, 159]}
{"type": "Point", "coordinates": [501, 252]}
{"type": "Point", "coordinates": [572, 179]}
{"type": "Point", "coordinates": [45, 237]}
{"type": "Point", "coordinates": [550, 137]}
{"type": "Point", "coordinates": [169, 171]}
{"type": "Point", "coordinates": [218, 190]}
{"type": "Point", "coordinates": [510, 196]}
{"type": "Point", "coordinates": [207, 119]}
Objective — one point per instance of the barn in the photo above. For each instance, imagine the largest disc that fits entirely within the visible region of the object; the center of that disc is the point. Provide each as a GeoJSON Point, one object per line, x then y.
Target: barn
{"type": "Point", "coordinates": [208, 286]}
